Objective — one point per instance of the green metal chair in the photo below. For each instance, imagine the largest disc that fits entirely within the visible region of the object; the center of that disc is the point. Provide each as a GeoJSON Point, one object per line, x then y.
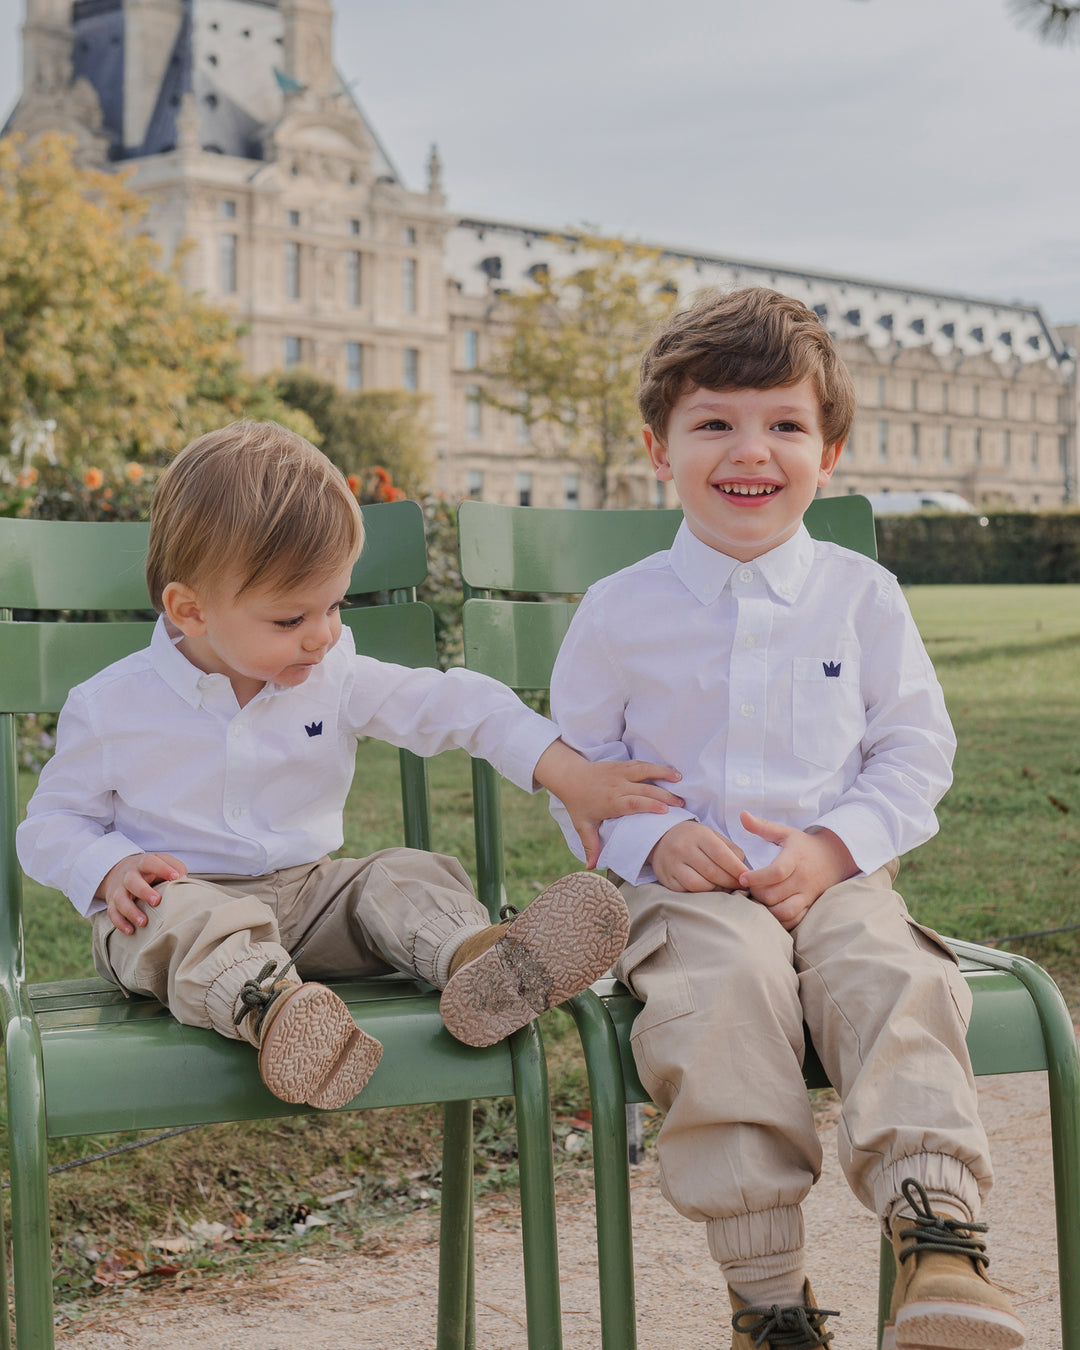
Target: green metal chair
{"type": "Point", "coordinates": [1020, 1021]}
{"type": "Point", "coordinates": [83, 1059]}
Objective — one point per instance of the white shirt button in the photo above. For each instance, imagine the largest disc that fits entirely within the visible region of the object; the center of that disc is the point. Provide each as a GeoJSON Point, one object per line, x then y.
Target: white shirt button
{"type": "Point", "coordinates": [237, 812]}
{"type": "Point", "coordinates": [747, 574]}
{"type": "Point", "coordinates": [236, 730]}
{"type": "Point", "coordinates": [749, 640]}
{"type": "Point", "coordinates": [747, 710]}
{"type": "Point", "coordinates": [742, 779]}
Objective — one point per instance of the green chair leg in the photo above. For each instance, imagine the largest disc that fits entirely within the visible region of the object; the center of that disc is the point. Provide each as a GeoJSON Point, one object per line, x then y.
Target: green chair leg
{"type": "Point", "coordinates": [455, 1227]}
{"type": "Point", "coordinates": [1063, 1075]}
{"type": "Point", "coordinates": [886, 1280]}
{"type": "Point", "coordinates": [538, 1236]}
{"type": "Point", "coordinates": [30, 1239]}
{"type": "Point", "coordinates": [611, 1175]}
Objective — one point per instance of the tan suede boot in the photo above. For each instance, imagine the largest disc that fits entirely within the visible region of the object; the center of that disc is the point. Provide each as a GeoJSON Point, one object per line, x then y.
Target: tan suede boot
{"type": "Point", "coordinates": [797, 1328]}
{"type": "Point", "coordinates": [509, 973]}
{"type": "Point", "coordinates": [942, 1299]}
{"type": "Point", "coordinates": [310, 1049]}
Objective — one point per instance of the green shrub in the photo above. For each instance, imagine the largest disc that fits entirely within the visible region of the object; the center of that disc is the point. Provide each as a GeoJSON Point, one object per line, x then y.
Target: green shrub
{"type": "Point", "coordinates": [1009, 548]}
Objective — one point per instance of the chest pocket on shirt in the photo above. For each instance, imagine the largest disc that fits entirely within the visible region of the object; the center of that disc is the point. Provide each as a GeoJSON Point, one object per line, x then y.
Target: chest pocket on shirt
{"type": "Point", "coordinates": [828, 717]}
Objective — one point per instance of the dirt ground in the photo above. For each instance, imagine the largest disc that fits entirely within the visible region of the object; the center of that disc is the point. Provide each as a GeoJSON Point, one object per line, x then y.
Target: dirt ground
{"type": "Point", "coordinates": [383, 1298]}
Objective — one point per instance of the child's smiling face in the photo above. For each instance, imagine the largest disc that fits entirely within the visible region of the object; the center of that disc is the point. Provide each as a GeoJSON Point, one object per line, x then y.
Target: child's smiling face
{"type": "Point", "coordinates": [746, 463]}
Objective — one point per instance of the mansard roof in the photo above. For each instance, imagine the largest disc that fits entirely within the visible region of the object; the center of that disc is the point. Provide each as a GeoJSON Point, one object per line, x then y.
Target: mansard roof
{"type": "Point", "coordinates": [483, 255]}
{"type": "Point", "coordinates": [227, 53]}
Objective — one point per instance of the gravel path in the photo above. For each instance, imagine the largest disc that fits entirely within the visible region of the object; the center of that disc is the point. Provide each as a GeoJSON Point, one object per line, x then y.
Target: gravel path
{"type": "Point", "coordinates": [383, 1298]}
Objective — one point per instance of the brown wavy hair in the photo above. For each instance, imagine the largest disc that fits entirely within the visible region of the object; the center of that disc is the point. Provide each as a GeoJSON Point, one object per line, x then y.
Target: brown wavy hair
{"type": "Point", "coordinates": [753, 338]}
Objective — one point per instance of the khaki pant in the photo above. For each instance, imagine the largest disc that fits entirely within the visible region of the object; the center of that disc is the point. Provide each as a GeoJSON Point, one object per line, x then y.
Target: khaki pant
{"type": "Point", "coordinates": [353, 917]}
{"type": "Point", "coordinates": [719, 1046]}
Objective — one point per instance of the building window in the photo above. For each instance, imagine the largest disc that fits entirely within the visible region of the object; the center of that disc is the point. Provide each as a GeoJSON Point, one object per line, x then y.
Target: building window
{"type": "Point", "coordinates": [975, 400]}
{"type": "Point", "coordinates": [228, 263]}
{"type": "Point", "coordinates": [883, 441]}
{"type": "Point", "coordinates": [472, 411]}
{"type": "Point", "coordinates": [228, 209]}
{"type": "Point", "coordinates": [408, 285]}
{"type": "Point", "coordinates": [571, 491]}
{"type": "Point", "coordinates": [292, 219]}
{"type": "Point", "coordinates": [1004, 403]}
{"type": "Point", "coordinates": [474, 483]}
{"type": "Point", "coordinates": [470, 344]}
{"type": "Point", "coordinates": [978, 445]}
{"type": "Point", "coordinates": [409, 234]}
{"type": "Point", "coordinates": [352, 277]}
{"type": "Point", "coordinates": [292, 270]}
{"type": "Point", "coordinates": [945, 397]}
{"type": "Point", "coordinates": [914, 393]}
{"type": "Point", "coordinates": [292, 351]}
{"type": "Point", "coordinates": [946, 445]}
{"type": "Point", "coordinates": [524, 489]}
{"type": "Point", "coordinates": [914, 442]}
{"type": "Point", "coordinates": [354, 365]}
{"type": "Point", "coordinates": [354, 226]}
{"type": "Point", "coordinates": [1006, 448]}
{"type": "Point", "coordinates": [659, 495]}
{"type": "Point", "coordinates": [411, 369]}
{"type": "Point", "coordinates": [1063, 451]}
{"type": "Point", "coordinates": [881, 391]}
{"type": "Point", "coordinates": [521, 421]}
{"type": "Point", "coordinates": [1034, 406]}
{"type": "Point", "coordinates": [1034, 449]}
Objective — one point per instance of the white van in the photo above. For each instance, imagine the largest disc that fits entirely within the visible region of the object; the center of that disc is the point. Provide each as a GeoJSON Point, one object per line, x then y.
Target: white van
{"type": "Point", "coordinates": [910, 503]}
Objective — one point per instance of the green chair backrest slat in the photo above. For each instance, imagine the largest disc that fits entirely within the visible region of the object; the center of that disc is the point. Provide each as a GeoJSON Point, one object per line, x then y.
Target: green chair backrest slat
{"type": "Point", "coordinates": [89, 565]}
{"type": "Point", "coordinates": [556, 551]}
{"type": "Point", "coordinates": [40, 662]}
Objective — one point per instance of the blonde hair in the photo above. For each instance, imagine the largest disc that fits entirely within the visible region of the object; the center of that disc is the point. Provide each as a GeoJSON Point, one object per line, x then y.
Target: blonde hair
{"type": "Point", "coordinates": [753, 338]}
{"type": "Point", "coordinates": [254, 502]}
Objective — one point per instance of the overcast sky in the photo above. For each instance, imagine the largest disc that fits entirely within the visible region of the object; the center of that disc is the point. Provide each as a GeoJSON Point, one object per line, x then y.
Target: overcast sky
{"type": "Point", "coordinates": [927, 142]}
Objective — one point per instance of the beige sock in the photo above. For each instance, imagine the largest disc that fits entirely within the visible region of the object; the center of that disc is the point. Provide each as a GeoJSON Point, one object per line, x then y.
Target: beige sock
{"type": "Point", "coordinates": [785, 1291]}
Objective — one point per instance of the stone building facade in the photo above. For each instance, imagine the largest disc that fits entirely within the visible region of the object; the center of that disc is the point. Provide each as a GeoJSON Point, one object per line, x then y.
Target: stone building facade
{"type": "Point", "coordinates": [246, 143]}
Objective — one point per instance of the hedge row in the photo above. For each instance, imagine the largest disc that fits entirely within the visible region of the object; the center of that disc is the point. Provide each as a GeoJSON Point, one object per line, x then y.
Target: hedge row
{"type": "Point", "coordinates": [1017, 547]}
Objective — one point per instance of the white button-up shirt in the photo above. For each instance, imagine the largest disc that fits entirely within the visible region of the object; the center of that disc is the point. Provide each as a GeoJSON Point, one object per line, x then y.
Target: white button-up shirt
{"type": "Point", "coordinates": [795, 687]}
{"type": "Point", "coordinates": [153, 755]}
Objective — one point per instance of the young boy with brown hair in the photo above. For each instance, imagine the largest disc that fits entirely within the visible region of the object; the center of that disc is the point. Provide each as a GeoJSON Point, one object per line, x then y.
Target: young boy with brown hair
{"type": "Point", "coordinates": [786, 680]}
{"type": "Point", "coordinates": [198, 788]}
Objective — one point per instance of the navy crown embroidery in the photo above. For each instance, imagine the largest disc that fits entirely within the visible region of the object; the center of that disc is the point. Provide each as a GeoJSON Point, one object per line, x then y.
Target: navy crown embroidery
{"type": "Point", "coordinates": [313, 728]}
{"type": "Point", "coordinates": [831, 669]}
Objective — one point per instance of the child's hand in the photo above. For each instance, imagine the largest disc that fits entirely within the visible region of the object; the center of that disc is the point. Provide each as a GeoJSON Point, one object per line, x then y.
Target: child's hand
{"type": "Point", "coordinates": [130, 881]}
{"type": "Point", "coordinates": [593, 793]}
{"type": "Point", "coordinates": [806, 866]}
{"type": "Point", "coordinates": [693, 857]}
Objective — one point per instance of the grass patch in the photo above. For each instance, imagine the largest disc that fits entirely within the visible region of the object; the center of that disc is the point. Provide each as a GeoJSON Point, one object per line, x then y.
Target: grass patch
{"type": "Point", "coordinates": [1006, 861]}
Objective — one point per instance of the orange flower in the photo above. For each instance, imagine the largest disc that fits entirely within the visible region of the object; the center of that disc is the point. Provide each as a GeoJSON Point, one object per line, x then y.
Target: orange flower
{"type": "Point", "coordinates": [353, 481]}
{"type": "Point", "coordinates": [93, 478]}
{"type": "Point", "coordinates": [133, 472]}
{"type": "Point", "coordinates": [27, 476]}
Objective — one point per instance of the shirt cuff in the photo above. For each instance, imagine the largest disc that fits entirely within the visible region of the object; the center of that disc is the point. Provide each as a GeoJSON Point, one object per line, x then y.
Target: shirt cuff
{"type": "Point", "coordinates": [519, 756]}
{"type": "Point", "coordinates": [93, 866]}
{"type": "Point", "coordinates": [629, 840]}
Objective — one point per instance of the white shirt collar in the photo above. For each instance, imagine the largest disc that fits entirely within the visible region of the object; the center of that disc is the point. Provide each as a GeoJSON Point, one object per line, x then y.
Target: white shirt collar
{"type": "Point", "coordinates": [705, 571]}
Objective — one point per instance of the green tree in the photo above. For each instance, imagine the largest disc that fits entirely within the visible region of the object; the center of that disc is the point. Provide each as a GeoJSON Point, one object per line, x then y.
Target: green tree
{"type": "Point", "coordinates": [1053, 22]}
{"type": "Point", "coordinates": [568, 361]}
{"type": "Point", "coordinates": [370, 428]}
{"type": "Point", "coordinates": [104, 357]}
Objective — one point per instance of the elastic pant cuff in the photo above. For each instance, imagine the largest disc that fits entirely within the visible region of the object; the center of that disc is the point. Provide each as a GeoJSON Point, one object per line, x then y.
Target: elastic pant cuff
{"type": "Point", "coordinates": [435, 944]}
{"type": "Point", "coordinates": [223, 992]}
{"type": "Point", "coordinates": [951, 1186]}
{"type": "Point", "coordinates": [758, 1245]}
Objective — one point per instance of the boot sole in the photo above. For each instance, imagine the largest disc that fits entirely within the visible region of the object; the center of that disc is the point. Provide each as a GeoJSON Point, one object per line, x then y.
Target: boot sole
{"type": "Point", "coordinates": [567, 937]}
{"type": "Point", "coordinates": [949, 1325]}
{"type": "Point", "coordinates": [314, 1052]}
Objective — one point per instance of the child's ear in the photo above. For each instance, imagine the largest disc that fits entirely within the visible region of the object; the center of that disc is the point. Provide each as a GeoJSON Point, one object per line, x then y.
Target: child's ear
{"type": "Point", "coordinates": [829, 456]}
{"type": "Point", "coordinates": [183, 609]}
{"type": "Point", "coordinates": [657, 452]}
